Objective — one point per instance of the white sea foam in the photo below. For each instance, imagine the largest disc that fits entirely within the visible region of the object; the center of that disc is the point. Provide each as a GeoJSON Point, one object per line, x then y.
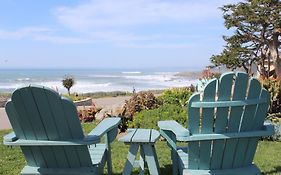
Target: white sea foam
{"type": "Point", "coordinates": [160, 78]}
{"type": "Point", "coordinates": [166, 73]}
{"type": "Point", "coordinates": [23, 79]}
{"type": "Point", "coordinates": [131, 72]}
{"type": "Point", "coordinates": [105, 76]}
{"type": "Point", "coordinates": [10, 86]}
{"type": "Point", "coordinates": [79, 86]}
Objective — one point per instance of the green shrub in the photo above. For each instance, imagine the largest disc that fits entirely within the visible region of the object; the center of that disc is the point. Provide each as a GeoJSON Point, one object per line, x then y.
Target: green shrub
{"type": "Point", "coordinates": [149, 118]}
{"type": "Point", "coordinates": [176, 96]}
{"type": "Point", "coordinates": [138, 102]}
{"type": "Point", "coordinates": [275, 120]}
{"type": "Point", "coordinates": [274, 88]}
{"type": "Point", "coordinates": [206, 76]}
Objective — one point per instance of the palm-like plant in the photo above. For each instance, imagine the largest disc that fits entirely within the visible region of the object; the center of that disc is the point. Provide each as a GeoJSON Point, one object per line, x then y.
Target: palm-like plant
{"type": "Point", "coordinates": [68, 82]}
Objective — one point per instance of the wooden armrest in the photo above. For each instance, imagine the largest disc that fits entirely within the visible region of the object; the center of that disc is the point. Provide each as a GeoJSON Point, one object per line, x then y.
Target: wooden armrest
{"type": "Point", "coordinates": [92, 138]}
{"type": "Point", "coordinates": [10, 137]}
{"type": "Point", "coordinates": [105, 126]}
{"type": "Point", "coordinates": [88, 140]}
{"type": "Point", "coordinates": [173, 126]}
{"type": "Point", "coordinates": [267, 130]}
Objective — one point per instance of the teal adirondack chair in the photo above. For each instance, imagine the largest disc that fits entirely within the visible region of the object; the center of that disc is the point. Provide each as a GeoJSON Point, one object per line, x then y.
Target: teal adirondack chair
{"type": "Point", "coordinates": [49, 133]}
{"type": "Point", "coordinates": [225, 123]}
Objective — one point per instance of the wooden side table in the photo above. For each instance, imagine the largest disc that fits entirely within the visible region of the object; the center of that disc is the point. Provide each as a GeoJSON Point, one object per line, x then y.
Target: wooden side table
{"type": "Point", "coordinates": [145, 140]}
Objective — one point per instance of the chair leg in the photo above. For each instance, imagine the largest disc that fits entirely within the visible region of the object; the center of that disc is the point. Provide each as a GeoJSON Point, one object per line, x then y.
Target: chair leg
{"type": "Point", "coordinates": [155, 155]}
{"type": "Point", "coordinates": [109, 162]}
{"type": "Point", "coordinates": [131, 159]}
{"type": "Point", "coordinates": [108, 156]}
{"type": "Point", "coordinates": [151, 159]}
{"type": "Point", "coordinates": [141, 161]}
{"type": "Point", "coordinates": [175, 162]}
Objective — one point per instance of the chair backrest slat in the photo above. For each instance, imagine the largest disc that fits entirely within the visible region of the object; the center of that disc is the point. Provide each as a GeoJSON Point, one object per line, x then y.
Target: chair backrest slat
{"type": "Point", "coordinates": [47, 116]}
{"type": "Point", "coordinates": [14, 120]}
{"type": "Point", "coordinates": [225, 86]}
{"type": "Point", "coordinates": [29, 157]}
{"type": "Point", "coordinates": [257, 124]}
{"type": "Point", "coordinates": [39, 113]}
{"type": "Point", "coordinates": [234, 103]}
{"type": "Point", "coordinates": [240, 90]}
{"type": "Point", "coordinates": [194, 119]}
{"type": "Point", "coordinates": [207, 125]}
{"type": "Point", "coordinates": [246, 123]}
{"type": "Point", "coordinates": [56, 105]}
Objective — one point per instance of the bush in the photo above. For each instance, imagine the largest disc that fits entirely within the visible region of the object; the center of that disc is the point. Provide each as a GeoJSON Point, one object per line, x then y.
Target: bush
{"type": "Point", "coordinates": [277, 132]}
{"type": "Point", "coordinates": [149, 118]}
{"type": "Point", "coordinates": [206, 76]}
{"type": "Point", "coordinates": [275, 120]}
{"type": "Point", "coordinates": [140, 101]}
{"type": "Point", "coordinates": [209, 74]}
{"type": "Point", "coordinates": [274, 88]}
{"type": "Point", "coordinates": [176, 96]}
{"type": "Point", "coordinates": [88, 115]}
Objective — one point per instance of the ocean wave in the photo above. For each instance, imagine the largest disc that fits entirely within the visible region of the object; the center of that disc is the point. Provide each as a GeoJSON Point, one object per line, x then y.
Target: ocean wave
{"type": "Point", "coordinates": [23, 79]}
{"type": "Point", "coordinates": [131, 72]}
{"type": "Point", "coordinates": [79, 86]}
{"type": "Point", "coordinates": [11, 86]}
{"type": "Point", "coordinates": [166, 73]}
{"type": "Point", "coordinates": [161, 78]}
{"type": "Point", "coordinates": [105, 76]}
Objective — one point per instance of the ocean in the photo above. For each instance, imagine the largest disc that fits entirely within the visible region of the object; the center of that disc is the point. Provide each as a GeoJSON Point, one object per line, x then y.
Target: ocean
{"type": "Point", "coordinates": [95, 80]}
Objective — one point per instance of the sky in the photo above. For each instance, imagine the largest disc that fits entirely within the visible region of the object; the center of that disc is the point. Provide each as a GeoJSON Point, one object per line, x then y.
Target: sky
{"type": "Point", "coordinates": [110, 33]}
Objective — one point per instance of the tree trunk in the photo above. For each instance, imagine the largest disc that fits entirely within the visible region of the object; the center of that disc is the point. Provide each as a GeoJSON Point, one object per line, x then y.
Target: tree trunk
{"type": "Point", "coordinates": [274, 54]}
{"type": "Point", "coordinates": [68, 90]}
{"type": "Point", "coordinates": [264, 53]}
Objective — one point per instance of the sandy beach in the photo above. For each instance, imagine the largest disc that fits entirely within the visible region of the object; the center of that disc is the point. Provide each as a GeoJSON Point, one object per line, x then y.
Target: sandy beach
{"type": "Point", "coordinates": [108, 104]}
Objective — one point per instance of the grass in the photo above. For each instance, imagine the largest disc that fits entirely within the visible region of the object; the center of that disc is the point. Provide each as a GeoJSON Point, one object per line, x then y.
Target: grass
{"type": "Point", "coordinates": [267, 157]}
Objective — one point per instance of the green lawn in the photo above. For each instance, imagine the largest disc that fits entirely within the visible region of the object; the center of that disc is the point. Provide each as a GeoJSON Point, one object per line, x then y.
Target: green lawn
{"type": "Point", "coordinates": [268, 157]}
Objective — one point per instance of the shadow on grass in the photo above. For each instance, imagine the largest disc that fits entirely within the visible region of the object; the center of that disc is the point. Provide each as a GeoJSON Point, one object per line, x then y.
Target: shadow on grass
{"type": "Point", "coordinates": [166, 170]}
{"type": "Point", "coordinates": [276, 170]}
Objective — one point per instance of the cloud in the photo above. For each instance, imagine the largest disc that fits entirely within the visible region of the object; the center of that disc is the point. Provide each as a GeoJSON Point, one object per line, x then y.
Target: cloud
{"type": "Point", "coordinates": [42, 34]}
{"type": "Point", "coordinates": [119, 39]}
{"type": "Point", "coordinates": [159, 45]}
{"type": "Point", "coordinates": [123, 22]}
{"type": "Point", "coordinates": [127, 23]}
{"type": "Point", "coordinates": [96, 14]}
{"type": "Point", "coordinates": [62, 39]}
{"type": "Point", "coordinates": [24, 32]}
